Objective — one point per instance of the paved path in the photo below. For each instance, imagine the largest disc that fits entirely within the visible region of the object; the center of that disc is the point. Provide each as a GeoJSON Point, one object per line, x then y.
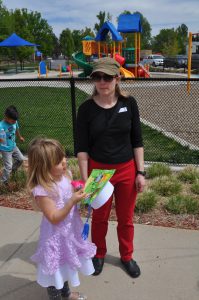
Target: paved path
{"type": "Point", "coordinates": [169, 260]}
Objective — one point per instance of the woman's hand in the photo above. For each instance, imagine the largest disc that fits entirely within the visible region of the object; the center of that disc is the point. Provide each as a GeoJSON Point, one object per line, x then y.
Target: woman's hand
{"type": "Point", "coordinates": [140, 183]}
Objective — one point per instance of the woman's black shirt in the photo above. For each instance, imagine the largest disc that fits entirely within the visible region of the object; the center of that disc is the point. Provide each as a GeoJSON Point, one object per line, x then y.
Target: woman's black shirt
{"type": "Point", "coordinates": [106, 143]}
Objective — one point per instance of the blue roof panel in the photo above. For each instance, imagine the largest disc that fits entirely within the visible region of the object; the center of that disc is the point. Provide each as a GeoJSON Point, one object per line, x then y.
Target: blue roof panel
{"type": "Point", "coordinates": [102, 33]}
{"type": "Point", "coordinates": [129, 23]}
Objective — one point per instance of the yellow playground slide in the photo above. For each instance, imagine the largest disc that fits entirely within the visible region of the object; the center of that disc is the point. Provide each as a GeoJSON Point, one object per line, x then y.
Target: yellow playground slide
{"type": "Point", "coordinates": [126, 73]}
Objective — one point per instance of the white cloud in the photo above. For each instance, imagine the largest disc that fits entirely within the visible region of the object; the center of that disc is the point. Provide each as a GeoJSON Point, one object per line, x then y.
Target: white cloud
{"type": "Point", "coordinates": [77, 14]}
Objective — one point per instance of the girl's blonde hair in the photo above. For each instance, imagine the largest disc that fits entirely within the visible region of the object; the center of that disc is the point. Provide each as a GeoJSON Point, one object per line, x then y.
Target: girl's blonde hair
{"type": "Point", "coordinates": [43, 155]}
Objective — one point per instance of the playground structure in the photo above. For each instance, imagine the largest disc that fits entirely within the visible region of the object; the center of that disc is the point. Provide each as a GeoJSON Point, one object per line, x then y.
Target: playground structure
{"type": "Point", "coordinates": [65, 70]}
{"type": "Point", "coordinates": [100, 46]}
{"type": "Point", "coordinates": [42, 70]}
{"type": "Point", "coordinates": [62, 68]}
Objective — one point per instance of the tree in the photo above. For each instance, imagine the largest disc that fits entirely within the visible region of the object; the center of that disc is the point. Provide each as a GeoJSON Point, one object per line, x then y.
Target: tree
{"type": "Point", "coordinates": [5, 27]}
{"type": "Point", "coordinates": [41, 33]}
{"type": "Point", "coordinates": [31, 27]}
{"type": "Point", "coordinates": [182, 37]}
{"type": "Point", "coordinates": [87, 31]}
{"type": "Point", "coordinates": [57, 48]}
{"type": "Point", "coordinates": [146, 32]}
{"type": "Point", "coordinates": [102, 17]}
{"type": "Point", "coordinates": [5, 22]}
{"type": "Point", "coordinates": [67, 42]}
{"type": "Point", "coordinates": [166, 42]}
{"type": "Point", "coordinates": [78, 35]}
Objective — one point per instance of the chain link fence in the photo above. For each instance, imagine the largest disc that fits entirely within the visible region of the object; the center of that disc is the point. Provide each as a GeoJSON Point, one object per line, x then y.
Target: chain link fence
{"type": "Point", "coordinates": [169, 114]}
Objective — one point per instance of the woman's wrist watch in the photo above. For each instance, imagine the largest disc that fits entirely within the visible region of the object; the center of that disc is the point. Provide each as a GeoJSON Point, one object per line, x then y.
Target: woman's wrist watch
{"type": "Point", "coordinates": [143, 173]}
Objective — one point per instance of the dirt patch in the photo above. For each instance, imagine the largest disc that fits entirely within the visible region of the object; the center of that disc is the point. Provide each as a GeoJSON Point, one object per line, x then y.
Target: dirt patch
{"type": "Point", "coordinates": [157, 217]}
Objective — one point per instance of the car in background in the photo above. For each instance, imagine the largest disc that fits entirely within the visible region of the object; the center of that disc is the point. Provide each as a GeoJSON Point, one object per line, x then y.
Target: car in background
{"type": "Point", "coordinates": [154, 60]}
{"type": "Point", "coordinates": [195, 62]}
{"type": "Point", "coordinates": [176, 61]}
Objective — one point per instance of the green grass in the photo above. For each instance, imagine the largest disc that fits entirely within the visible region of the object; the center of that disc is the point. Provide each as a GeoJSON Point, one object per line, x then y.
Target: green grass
{"type": "Point", "coordinates": [158, 169]}
{"type": "Point", "coordinates": [182, 204]}
{"type": "Point", "coordinates": [189, 174]}
{"type": "Point", "coordinates": [160, 148]}
{"type": "Point", "coordinates": [47, 111]}
{"type": "Point", "coordinates": [43, 111]}
{"type": "Point", "coordinates": [166, 185]}
{"type": "Point", "coordinates": [146, 201]}
{"type": "Point", "coordinates": [195, 187]}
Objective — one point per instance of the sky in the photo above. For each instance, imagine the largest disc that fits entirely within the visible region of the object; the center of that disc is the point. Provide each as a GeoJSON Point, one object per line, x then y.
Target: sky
{"type": "Point", "coordinates": [78, 14]}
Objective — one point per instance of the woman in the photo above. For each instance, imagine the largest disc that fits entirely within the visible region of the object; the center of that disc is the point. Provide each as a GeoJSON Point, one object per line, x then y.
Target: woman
{"type": "Point", "coordinates": [109, 137]}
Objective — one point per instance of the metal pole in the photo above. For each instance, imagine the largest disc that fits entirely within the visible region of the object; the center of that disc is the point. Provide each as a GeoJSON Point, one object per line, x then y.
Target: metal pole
{"type": "Point", "coordinates": [73, 104]}
{"type": "Point", "coordinates": [189, 62]}
{"type": "Point", "coordinates": [15, 54]}
{"type": "Point", "coordinates": [136, 74]}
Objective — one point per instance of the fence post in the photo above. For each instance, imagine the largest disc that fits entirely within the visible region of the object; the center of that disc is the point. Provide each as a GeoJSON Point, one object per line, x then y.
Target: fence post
{"type": "Point", "coordinates": [73, 104]}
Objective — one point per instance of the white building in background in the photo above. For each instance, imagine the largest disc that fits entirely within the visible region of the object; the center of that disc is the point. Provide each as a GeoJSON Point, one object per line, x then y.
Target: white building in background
{"type": "Point", "coordinates": [195, 44]}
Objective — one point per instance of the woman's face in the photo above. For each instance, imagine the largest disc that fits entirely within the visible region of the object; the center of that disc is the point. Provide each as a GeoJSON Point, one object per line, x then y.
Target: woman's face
{"type": "Point", "coordinates": [105, 84]}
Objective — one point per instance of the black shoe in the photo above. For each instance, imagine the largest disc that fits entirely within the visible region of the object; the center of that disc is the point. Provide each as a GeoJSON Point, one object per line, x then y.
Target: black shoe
{"type": "Point", "coordinates": [53, 293]}
{"type": "Point", "coordinates": [132, 268]}
{"type": "Point", "coordinates": [98, 264]}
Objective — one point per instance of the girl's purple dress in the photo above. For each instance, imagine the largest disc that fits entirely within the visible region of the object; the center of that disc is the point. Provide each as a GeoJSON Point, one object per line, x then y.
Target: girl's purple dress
{"type": "Point", "coordinates": [61, 251]}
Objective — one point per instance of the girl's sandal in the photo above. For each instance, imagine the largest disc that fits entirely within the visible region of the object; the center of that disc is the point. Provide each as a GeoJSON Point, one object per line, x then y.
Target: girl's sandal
{"type": "Point", "coordinates": [75, 296]}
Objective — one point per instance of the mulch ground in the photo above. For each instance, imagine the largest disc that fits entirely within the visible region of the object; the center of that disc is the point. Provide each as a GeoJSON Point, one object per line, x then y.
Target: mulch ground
{"type": "Point", "coordinates": [157, 217]}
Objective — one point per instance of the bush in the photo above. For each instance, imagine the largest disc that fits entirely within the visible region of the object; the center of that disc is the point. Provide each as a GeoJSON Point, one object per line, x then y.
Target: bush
{"type": "Point", "coordinates": [3, 189]}
{"type": "Point", "coordinates": [181, 204]}
{"type": "Point", "coordinates": [146, 201]}
{"type": "Point", "coordinates": [189, 174]}
{"type": "Point", "coordinates": [17, 182]}
{"type": "Point", "coordinates": [74, 168]}
{"type": "Point", "coordinates": [166, 186]}
{"type": "Point", "coordinates": [195, 187]}
{"type": "Point", "coordinates": [158, 169]}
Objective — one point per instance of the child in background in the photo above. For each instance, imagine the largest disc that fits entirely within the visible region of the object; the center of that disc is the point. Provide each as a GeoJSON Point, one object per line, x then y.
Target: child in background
{"type": "Point", "coordinates": [61, 251]}
{"type": "Point", "coordinates": [11, 155]}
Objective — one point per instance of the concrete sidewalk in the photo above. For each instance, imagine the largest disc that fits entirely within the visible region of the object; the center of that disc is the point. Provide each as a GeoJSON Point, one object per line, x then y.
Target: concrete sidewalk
{"type": "Point", "coordinates": [169, 261]}
{"type": "Point", "coordinates": [33, 75]}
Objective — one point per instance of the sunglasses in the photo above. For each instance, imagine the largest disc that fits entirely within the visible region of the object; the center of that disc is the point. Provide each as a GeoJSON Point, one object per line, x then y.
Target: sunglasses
{"type": "Point", "coordinates": [105, 77]}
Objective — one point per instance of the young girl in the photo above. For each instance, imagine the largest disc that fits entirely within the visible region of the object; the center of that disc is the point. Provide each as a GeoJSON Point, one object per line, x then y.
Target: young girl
{"type": "Point", "coordinates": [61, 251]}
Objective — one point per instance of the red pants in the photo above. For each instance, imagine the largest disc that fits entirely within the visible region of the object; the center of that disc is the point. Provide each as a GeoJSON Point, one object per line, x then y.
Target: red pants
{"type": "Point", "coordinates": [125, 194]}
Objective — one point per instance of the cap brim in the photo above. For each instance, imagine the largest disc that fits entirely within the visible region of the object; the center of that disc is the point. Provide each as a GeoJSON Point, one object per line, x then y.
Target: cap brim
{"type": "Point", "coordinates": [105, 71]}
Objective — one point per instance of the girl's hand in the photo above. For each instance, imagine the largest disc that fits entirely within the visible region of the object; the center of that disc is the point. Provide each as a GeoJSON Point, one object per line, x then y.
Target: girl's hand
{"type": "Point", "coordinates": [78, 184]}
{"type": "Point", "coordinates": [78, 196]}
{"type": "Point", "coordinates": [21, 139]}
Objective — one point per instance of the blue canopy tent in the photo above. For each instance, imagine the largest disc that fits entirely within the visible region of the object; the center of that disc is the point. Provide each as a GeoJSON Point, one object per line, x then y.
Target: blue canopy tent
{"type": "Point", "coordinates": [14, 41]}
